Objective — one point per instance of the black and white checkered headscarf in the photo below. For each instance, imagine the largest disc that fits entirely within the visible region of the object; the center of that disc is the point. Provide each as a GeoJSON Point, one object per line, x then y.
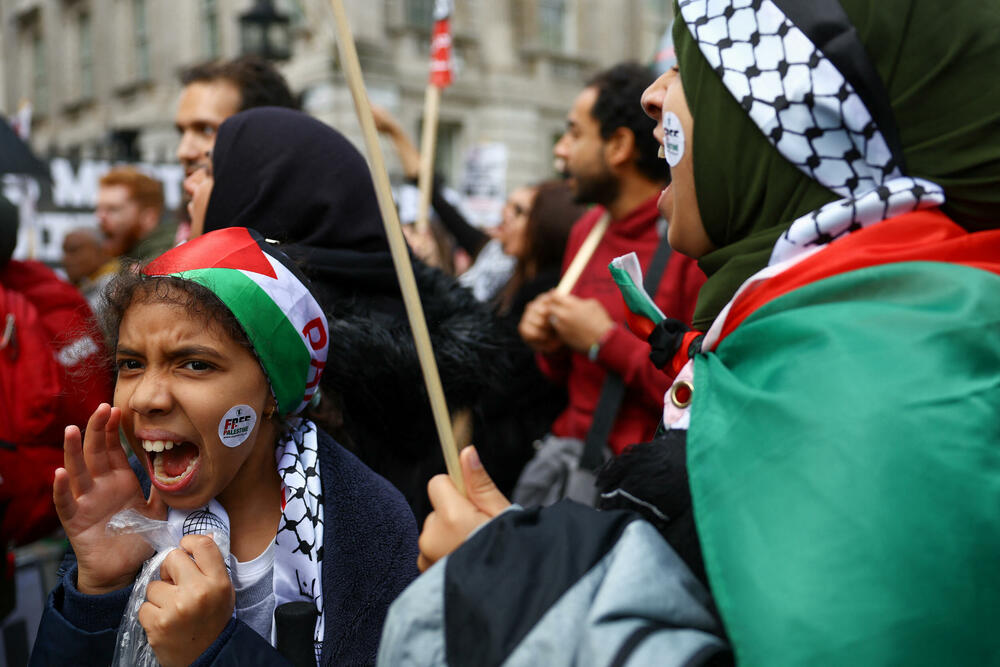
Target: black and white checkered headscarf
{"type": "Point", "coordinates": [826, 113]}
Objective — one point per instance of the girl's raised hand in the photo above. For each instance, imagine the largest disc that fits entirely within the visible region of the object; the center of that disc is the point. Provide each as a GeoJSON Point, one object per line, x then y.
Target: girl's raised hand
{"type": "Point", "coordinates": [95, 483]}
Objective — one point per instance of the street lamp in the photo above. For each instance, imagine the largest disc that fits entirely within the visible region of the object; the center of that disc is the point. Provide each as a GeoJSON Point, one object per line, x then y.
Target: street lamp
{"type": "Point", "coordinates": [265, 33]}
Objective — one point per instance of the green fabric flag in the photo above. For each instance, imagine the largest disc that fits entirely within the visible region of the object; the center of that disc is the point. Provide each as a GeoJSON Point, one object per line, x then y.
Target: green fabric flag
{"type": "Point", "coordinates": [844, 461]}
{"type": "Point", "coordinates": [641, 312]}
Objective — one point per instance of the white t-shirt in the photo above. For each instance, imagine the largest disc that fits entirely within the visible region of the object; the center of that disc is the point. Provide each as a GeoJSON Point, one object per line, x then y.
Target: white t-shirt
{"type": "Point", "coordinates": [253, 582]}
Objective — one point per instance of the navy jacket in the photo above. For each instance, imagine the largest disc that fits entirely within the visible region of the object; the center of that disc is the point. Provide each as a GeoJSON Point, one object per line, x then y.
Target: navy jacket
{"type": "Point", "coordinates": [370, 556]}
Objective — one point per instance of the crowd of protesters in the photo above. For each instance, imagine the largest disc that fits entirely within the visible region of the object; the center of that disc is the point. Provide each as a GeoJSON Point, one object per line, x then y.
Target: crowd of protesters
{"type": "Point", "coordinates": [778, 445]}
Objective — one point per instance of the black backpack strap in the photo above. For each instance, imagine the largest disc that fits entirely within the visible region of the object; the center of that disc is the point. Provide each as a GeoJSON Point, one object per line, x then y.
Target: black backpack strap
{"type": "Point", "coordinates": [657, 265]}
{"type": "Point", "coordinates": [613, 388]}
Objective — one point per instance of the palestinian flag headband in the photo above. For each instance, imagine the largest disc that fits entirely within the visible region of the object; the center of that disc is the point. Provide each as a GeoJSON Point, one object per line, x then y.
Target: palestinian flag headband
{"type": "Point", "coordinates": [269, 297]}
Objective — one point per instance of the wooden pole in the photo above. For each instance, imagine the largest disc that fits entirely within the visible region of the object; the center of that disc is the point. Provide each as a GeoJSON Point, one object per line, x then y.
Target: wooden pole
{"type": "Point", "coordinates": [397, 244]}
{"type": "Point", "coordinates": [428, 144]}
{"type": "Point", "coordinates": [462, 427]}
{"type": "Point", "coordinates": [583, 255]}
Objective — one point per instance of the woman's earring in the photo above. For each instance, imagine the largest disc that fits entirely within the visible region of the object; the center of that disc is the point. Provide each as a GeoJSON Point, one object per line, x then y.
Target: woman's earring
{"type": "Point", "coordinates": [269, 413]}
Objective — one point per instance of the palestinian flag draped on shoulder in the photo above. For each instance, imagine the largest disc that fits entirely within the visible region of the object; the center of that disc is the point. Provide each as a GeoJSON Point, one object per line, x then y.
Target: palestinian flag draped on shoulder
{"type": "Point", "coordinates": [844, 457]}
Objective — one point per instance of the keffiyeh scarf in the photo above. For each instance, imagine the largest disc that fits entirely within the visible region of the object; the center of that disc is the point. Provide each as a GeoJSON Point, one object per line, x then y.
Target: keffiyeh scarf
{"type": "Point", "coordinates": [298, 558]}
{"type": "Point", "coordinates": [827, 114]}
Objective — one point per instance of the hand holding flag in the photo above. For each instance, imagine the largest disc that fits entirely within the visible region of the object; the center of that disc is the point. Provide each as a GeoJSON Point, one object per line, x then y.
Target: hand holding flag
{"type": "Point", "coordinates": [641, 312]}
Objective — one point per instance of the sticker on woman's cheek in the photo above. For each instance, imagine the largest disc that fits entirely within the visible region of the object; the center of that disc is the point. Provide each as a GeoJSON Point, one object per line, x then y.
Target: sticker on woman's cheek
{"type": "Point", "coordinates": [673, 138]}
{"type": "Point", "coordinates": [236, 425]}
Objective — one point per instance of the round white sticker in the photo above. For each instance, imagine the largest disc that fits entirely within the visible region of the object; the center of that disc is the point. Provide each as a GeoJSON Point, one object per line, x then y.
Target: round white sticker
{"type": "Point", "coordinates": [673, 138]}
{"type": "Point", "coordinates": [236, 425]}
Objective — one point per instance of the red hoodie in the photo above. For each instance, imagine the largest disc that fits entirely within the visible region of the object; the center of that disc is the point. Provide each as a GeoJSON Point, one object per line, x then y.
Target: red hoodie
{"type": "Point", "coordinates": [622, 351]}
{"type": "Point", "coordinates": [51, 376]}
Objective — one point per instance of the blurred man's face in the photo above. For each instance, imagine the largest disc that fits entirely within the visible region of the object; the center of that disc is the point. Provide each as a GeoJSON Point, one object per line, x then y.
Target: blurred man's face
{"type": "Point", "coordinates": [82, 255]}
{"type": "Point", "coordinates": [199, 188]}
{"type": "Point", "coordinates": [120, 219]}
{"type": "Point", "coordinates": [202, 108]}
{"type": "Point", "coordinates": [581, 150]}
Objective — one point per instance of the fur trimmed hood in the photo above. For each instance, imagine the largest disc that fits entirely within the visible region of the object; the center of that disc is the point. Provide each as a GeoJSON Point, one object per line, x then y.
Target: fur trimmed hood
{"type": "Point", "coordinates": [374, 370]}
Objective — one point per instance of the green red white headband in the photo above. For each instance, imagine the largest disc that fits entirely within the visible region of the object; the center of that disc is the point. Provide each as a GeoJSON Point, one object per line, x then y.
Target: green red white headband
{"type": "Point", "coordinates": [269, 298]}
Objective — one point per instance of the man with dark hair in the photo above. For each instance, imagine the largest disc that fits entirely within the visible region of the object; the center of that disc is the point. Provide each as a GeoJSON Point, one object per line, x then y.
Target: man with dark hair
{"type": "Point", "coordinates": [615, 108]}
{"type": "Point", "coordinates": [611, 158]}
{"type": "Point", "coordinates": [215, 91]}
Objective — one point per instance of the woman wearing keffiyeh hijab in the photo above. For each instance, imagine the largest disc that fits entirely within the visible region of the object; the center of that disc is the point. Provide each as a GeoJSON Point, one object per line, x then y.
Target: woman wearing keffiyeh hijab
{"type": "Point", "coordinates": [842, 442]}
{"type": "Point", "coordinates": [219, 345]}
{"type": "Point", "coordinates": [836, 169]}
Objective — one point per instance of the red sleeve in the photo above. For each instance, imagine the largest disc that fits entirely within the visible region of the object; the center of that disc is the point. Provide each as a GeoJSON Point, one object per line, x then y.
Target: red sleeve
{"type": "Point", "coordinates": [626, 354]}
{"type": "Point", "coordinates": [555, 366]}
{"type": "Point", "coordinates": [688, 278]}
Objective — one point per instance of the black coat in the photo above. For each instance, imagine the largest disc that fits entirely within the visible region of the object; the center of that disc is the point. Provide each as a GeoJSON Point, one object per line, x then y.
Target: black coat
{"type": "Point", "coordinates": [302, 183]}
{"type": "Point", "coordinates": [374, 377]}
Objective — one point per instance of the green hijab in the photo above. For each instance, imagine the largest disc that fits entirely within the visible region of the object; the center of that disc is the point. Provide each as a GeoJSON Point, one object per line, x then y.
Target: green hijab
{"type": "Point", "coordinates": [939, 64]}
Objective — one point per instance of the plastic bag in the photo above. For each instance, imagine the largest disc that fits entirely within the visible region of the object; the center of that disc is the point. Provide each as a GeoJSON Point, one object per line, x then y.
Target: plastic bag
{"type": "Point", "coordinates": [132, 647]}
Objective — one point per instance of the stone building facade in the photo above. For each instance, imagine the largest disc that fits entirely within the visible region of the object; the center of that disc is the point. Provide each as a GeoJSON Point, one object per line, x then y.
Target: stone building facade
{"type": "Point", "coordinates": [102, 74]}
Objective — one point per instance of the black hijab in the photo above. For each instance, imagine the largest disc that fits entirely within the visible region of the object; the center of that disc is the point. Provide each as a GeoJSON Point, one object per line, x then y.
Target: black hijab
{"type": "Point", "coordinates": [302, 183]}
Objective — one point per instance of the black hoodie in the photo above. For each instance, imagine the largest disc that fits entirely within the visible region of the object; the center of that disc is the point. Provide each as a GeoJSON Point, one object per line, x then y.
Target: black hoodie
{"type": "Point", "coordinates": [300, 182]}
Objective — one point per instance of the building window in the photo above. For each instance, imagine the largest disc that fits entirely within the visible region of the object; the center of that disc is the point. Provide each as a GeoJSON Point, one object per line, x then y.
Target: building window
{"type": "Point", "coordinates": [552, 24]}
{"type": "Point", "coordinates": [86, 56]}
{"type": "Point", "coordinates": [39, 73]}
{"type": "Point", "coordinates": [420, 13]}
{"type": "Point", "coordinates": [210, 29]}
{"type": "Point", "coordinates": [142, 68]}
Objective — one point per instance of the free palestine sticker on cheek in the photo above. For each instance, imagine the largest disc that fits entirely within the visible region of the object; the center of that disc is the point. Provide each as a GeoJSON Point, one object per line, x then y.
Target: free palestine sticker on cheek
{"type": "Point", "coordinates": [236, 425]}
{"type": "Point", "coordinates": [673, 138]}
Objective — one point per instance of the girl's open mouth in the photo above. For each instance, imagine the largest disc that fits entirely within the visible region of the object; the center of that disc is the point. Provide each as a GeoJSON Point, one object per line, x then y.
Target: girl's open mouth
{"type": "Point", "coordinates": [173, 464]}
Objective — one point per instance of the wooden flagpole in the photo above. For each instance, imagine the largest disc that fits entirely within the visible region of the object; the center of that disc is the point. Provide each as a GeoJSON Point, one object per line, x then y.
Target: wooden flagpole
{"type": "Point", "coordinates": [397, 244]}
{"type": "Point", "coordinates": [428, 146]}
{"type": "Point", "coordinates": [440, 77]}
{"type": "Point", "coordinates": [583, 255]}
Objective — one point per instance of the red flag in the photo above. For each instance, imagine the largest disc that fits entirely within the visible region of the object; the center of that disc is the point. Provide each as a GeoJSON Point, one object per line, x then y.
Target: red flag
{"type": "Point", "coordinates": [228, 248]}
{"type": "Point", "coordinates": [441, 66]}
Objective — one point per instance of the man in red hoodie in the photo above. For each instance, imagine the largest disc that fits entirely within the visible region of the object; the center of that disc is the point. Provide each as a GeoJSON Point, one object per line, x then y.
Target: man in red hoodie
{"type": "Point", "coordinates": [50, 377]}
{"type": "Point", "coordinates": [612, 160]}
